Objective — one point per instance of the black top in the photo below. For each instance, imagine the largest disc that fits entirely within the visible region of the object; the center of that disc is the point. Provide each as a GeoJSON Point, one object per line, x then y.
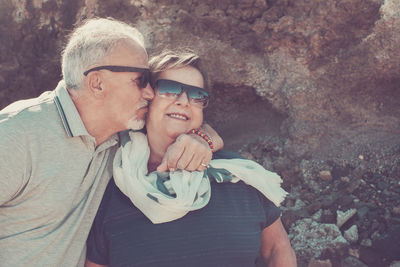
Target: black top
{"type": "Point", "coordinates": [226, 232]}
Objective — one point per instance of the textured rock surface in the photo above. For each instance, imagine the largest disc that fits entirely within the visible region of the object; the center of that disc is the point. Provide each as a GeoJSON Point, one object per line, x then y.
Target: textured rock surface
{"type": "Point", "coordinates": [308, 88]}
{"type": "Point", "coordinates": [343, 216]}
{"type": "Point", "coordinates": [351, 234]}
{"type": "Point", "coordinates": [320, 263]}
{"type": "Point", "coordinates": [310, 239]}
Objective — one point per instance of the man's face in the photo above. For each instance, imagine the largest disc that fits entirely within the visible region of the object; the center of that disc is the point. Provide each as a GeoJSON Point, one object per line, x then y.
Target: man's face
{"type": "Point", "coordinates": [124, 100]}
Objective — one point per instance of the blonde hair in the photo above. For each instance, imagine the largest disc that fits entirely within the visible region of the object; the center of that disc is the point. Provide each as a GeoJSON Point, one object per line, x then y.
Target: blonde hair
{"type": "Point", "coordinates": [169, 59]}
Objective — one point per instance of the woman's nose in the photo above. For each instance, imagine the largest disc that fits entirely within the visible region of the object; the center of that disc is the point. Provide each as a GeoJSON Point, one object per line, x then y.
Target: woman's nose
{"type": "Point", "coordinates": [182, 99]}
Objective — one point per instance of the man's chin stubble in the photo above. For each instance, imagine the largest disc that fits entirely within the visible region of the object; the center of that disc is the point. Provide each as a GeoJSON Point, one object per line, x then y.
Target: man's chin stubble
{"type": "Point", "coordinates": [135, 124]}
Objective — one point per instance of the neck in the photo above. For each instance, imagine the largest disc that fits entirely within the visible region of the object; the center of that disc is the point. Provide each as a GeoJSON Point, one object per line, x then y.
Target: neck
{"type": "Point", "coordinates": [96, 123]}
{"type": "Point", "coordinates": [158, 147]}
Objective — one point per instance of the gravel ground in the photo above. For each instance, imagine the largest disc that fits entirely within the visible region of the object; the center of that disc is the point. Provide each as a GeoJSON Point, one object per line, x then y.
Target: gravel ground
{"type": "Point", "coordinates": [340, 212]}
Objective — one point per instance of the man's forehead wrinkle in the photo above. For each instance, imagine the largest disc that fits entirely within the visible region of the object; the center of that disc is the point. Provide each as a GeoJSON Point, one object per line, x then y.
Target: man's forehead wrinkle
{"type": "Point", "coordinates": [127, 54]}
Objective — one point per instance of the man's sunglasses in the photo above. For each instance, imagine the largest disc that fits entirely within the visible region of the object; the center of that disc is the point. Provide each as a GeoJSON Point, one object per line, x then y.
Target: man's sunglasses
{"type": "Point", "coordinates": [174, 89]}
{"type": "Point", "coordinates": [144, 79]}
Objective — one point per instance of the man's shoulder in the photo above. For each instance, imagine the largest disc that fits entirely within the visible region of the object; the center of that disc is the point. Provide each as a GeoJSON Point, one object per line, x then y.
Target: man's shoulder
{"type": "Point", "coordinates": [27, 112]}
{"type": "Point", "coordinates": [31, 106]}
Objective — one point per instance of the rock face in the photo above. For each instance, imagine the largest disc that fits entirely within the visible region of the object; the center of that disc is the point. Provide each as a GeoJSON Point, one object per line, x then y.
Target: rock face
{"type": "Point", "coordinates": [310, 239]}
{"type": "Point", "coordinates": [309, 89]}
{"type": "Point", "coordinates": [323, 76]}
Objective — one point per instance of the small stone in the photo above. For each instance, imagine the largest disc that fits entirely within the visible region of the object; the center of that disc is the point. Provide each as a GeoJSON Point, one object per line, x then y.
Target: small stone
{"type": "Point", "coordinates": [361, 157]}
{"type": "Point", "coordinates": [354, 252]}
{"type": "Point", "coordinates": [201, 10]}
{"type": "Point", "coordinates": [345, 179]}
{"type": "Point", "coordinates": [343, 216]}
{"type": "Point", "coordinates": [352, 261]}
{"type": "Point", "coordinates": [387, 193]}
{"type": "Point", "coordinates": [375, 235]}
{"type": "Point", "coordinates": [396, 210]}
{"type": "Point", "coordinates": [299, 204]}
{"type": "Point", "coordinates": [325, 175]}
{"type": "Point", "coordinates": [259, 26]}
{"type": "Point", "coordinates": [366, 242]}
{"type": "Point", "coordinates": [164, 21]}
{"type": "Point", "coordinates": [387, 215]}
{"type": "Point", "coordinates": [351, 234]}
{"type": "Point", "coordinates": [317, 216]}
{"type": "Point", "coordinates": [382, 185]}
{"type": "Point", "coordinates": [320, 263]}
{"type": "Point", "coordinates": [362, 211]}
{"type": "Point", "coordinates": [353, 185]}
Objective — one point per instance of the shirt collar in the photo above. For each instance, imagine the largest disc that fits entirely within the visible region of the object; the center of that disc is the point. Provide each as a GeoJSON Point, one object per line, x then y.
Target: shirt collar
{"type": "Point", "coordinates": [69, 114]}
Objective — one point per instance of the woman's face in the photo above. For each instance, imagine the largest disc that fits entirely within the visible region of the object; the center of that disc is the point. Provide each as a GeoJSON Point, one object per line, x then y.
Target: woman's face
{"type": "Point", "coordinates": [169, 116]}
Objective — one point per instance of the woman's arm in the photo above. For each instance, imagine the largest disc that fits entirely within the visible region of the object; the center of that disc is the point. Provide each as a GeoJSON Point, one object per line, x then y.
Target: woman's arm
{"type": "Point", "coordinates": [275, 246]}
{"type": "Point", "coordinates": [88, 263]}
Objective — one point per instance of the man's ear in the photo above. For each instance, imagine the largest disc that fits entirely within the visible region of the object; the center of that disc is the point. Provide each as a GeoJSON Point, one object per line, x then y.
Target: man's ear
{"type": "Point", "coordinates": [94, 84]}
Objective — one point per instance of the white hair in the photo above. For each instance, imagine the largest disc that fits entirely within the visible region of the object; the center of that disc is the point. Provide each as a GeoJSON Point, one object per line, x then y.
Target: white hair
{"type": "Point", "coordinates": [90, 43]}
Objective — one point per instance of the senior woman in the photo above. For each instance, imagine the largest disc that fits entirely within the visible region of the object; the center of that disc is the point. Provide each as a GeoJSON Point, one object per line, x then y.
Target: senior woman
{"type": "Point", "coordinates": [221, 217]}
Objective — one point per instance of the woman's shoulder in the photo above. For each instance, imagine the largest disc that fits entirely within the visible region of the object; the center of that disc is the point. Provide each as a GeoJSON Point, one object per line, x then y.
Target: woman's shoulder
{"type": "Point", "coordinates": [226, 154]}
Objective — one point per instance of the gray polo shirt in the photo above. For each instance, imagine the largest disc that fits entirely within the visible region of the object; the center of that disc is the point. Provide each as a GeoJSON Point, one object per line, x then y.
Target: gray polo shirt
{"type": "Point", "coordinates": [52, 178]}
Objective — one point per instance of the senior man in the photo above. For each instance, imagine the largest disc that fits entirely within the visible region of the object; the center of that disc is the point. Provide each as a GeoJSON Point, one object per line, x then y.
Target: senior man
{"type": "Point", "coordinates": [56, 150]}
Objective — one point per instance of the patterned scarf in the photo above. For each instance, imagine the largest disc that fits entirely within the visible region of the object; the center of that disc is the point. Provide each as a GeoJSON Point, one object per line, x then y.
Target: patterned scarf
{"type": "Point", "coordinates": [164, 197]}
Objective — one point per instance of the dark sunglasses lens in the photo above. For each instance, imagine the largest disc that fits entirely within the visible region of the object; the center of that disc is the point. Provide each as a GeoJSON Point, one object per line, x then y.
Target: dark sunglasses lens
{"type": "Point", "coordinates": [198, 95]}
{"type": "Point", "coordinates": [168, 88]}
{"type": "Point", "coordinates": [174, 89]}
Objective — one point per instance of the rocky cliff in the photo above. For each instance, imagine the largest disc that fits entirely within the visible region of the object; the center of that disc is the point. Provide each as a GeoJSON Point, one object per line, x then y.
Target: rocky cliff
{"type": "Point", "coordinates": [308, 88]}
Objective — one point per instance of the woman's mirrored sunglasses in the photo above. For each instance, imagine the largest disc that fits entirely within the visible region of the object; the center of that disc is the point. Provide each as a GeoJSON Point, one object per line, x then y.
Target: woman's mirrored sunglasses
{"type": "Point", "coordinates": [174, 89]}
{"type": "Point", "coordinates": [144, 79]}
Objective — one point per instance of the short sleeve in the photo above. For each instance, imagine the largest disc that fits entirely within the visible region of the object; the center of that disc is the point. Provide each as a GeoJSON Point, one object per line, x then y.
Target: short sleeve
{"type": "Point", "coordinates": [15, 161]}
{"type": "Point", "coordinates": [97, 245]}
{"type": "Point", "coordinates": [272, 212]}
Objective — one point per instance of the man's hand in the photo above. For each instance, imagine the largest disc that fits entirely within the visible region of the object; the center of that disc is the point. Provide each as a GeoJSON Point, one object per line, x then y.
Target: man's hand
{"type": "Point", "coordinates": [191, 152]}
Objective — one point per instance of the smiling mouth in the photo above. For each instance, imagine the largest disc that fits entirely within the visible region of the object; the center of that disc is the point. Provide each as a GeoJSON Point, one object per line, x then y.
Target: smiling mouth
{"type": "Point", "coordinates": [178, 116]}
